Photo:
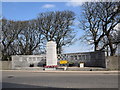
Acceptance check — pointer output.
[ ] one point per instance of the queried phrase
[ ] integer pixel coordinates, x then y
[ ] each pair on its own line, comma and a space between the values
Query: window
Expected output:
80, 58
83, 57
71, 57
75, 57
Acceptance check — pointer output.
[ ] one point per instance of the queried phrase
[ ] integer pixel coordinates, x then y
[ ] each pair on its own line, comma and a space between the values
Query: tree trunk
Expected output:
59, 49
112, 50
107, 51
96, 46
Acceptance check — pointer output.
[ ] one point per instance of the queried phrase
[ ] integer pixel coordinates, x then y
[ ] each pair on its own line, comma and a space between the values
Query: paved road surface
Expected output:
16, 79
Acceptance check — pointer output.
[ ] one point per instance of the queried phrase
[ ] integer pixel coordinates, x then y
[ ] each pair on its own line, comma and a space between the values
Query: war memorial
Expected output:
89, 59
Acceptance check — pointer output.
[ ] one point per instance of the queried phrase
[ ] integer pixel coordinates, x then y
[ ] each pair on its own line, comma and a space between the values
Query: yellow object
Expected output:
63, 62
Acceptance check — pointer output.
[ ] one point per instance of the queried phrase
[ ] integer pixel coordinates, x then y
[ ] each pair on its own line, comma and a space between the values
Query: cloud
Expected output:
75, 3
48, 6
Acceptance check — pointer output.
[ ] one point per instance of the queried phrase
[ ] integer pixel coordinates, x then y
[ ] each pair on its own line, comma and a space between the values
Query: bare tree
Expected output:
29, 39
56, 26
10, 31
20, 37
99, 20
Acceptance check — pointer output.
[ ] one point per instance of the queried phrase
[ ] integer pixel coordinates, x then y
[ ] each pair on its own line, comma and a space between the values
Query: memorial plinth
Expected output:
51, 54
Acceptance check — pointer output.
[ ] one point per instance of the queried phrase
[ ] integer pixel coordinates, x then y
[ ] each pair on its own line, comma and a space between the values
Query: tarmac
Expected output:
59, 79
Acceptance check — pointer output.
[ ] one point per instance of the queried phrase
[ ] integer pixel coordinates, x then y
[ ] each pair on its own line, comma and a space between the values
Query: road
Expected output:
16, 79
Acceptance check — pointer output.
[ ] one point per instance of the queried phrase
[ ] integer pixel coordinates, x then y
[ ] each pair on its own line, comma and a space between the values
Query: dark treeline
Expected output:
30, 37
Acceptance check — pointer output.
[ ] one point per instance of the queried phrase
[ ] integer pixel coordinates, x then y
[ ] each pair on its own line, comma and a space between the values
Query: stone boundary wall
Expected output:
5, 65
90, 59
112, 62
20, 61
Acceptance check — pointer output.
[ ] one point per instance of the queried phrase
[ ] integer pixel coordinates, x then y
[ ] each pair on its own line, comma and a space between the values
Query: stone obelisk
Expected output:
51, 54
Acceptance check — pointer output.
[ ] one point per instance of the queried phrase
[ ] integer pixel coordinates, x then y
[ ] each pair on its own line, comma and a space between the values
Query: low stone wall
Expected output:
21, 61
5, 65
90, 59
112, 62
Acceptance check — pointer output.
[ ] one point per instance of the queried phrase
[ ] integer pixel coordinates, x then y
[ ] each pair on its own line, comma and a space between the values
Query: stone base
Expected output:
50, 69
62, 68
